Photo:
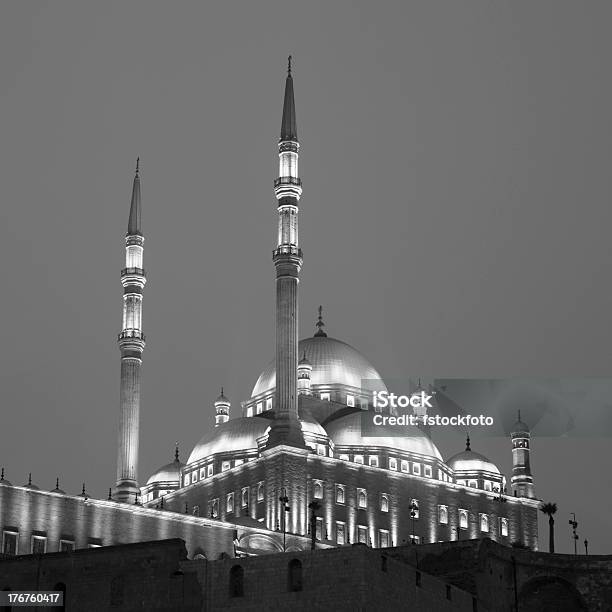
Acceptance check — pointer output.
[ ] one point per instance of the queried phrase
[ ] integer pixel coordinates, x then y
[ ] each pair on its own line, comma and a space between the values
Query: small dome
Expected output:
3, 480
57, 489
333, 363
471, 461
520, 426
304, 361
29, 484
222, 399
232, 436
171, 472
346, 431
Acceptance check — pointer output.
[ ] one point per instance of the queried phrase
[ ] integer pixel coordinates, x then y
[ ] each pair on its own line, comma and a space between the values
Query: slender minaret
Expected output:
287, 259
131, 344
522, 480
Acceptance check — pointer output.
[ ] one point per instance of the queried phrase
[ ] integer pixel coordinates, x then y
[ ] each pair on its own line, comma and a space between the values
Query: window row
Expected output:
394, 464
38, 543
483, 520
230, 500
209, 470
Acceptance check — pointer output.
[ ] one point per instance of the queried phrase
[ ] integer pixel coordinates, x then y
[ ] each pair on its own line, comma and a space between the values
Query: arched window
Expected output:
443, 515
6, 608
236, 581
361, 498
117, 587
484, 522
295, 575
60, 586
384, 503
463, 519
318, 490
339, 494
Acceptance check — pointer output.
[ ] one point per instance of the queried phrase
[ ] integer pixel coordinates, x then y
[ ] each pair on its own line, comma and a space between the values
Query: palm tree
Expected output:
549, 509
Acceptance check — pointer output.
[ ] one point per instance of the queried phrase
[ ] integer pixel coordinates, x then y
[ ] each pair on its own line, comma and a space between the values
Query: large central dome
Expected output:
333, 363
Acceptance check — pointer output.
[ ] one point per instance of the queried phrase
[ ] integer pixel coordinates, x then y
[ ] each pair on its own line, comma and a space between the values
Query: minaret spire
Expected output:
320, 333
131, 344
135, 206
288, 124
287, 259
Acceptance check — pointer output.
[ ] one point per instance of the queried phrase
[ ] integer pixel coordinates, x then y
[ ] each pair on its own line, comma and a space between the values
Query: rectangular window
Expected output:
39, 545
343, 457
325, 397
362, 534
383, 538
373, 460
225, 465
404, 466
269, 404
428, 471
9, 542
244, 498
339, 494
229, 502
359, 459
350, 400
318, 489
504, 526
186, 480
202, 473
209, 470
487, 485
321, 450
259, 407
238, 462
66, 545
340, 532
392, 463
472, 483
319, 528
250, 411
260, 491
194, 476
416, 469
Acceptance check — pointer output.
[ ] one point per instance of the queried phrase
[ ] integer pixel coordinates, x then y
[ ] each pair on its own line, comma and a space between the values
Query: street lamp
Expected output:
413, 513
574, 524
284, 500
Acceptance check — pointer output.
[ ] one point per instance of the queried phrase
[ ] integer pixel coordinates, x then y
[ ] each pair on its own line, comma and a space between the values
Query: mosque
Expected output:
294, 468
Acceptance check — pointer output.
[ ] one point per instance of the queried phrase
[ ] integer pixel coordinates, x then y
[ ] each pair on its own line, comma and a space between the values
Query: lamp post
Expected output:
413, 512
314, 505
574, 523
284, 500
586, 546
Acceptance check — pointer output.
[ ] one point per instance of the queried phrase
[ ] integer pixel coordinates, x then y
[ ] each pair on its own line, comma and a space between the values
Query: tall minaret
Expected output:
287, 259
131, 344
522, 480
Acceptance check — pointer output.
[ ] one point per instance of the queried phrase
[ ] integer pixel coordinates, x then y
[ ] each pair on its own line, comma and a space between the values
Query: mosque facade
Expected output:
294, 468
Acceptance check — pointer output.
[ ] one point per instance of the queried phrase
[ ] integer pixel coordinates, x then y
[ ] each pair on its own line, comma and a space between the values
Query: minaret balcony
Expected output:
287, 249
131, 333
132, 272
287, 180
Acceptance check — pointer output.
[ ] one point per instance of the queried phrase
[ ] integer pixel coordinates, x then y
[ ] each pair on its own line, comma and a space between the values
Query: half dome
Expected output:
346, 431
171, 472
334, 363
471, 461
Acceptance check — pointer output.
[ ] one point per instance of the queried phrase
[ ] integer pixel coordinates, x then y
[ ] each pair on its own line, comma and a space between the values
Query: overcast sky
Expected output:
455, 219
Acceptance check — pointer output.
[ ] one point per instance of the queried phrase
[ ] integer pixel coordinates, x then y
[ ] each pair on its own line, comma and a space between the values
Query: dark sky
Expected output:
455, 218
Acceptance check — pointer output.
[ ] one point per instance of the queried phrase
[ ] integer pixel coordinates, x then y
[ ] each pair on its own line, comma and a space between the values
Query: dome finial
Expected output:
110, 494
176, 451
57, 483
289, 66
137, 165
30, 479
467, 443
83, 490
2, 474
320, 325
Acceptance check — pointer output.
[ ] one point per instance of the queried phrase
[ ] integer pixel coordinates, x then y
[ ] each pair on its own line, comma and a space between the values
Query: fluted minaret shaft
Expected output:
287, 259
131, 344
